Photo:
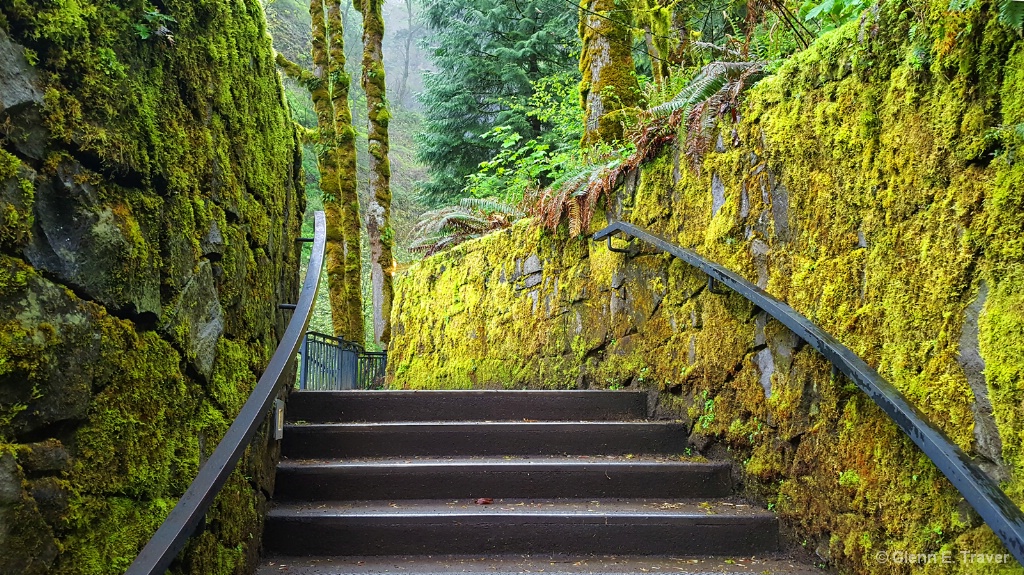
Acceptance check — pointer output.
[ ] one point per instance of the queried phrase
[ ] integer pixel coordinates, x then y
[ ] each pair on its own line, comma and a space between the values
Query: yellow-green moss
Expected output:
184, 150
606, 62
869, 193
17, 193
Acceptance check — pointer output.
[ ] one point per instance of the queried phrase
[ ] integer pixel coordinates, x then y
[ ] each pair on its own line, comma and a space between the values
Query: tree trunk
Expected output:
403, 86
606, 63
327, 160
378, 213
656, 17
348, 198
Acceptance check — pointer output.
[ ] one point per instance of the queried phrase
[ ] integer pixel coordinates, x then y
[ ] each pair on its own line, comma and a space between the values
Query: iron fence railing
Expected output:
331, 363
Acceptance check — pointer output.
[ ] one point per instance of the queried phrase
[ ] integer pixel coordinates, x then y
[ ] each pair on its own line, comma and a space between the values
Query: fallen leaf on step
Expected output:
484, 501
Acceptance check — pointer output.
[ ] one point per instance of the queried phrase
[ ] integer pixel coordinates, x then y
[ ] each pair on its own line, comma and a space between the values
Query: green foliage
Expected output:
155, 24
1011, 13
488, 54
717, 78
520, 167
833, 13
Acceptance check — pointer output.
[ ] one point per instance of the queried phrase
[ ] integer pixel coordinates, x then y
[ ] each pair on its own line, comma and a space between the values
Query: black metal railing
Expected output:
980, 491
331, 363
373, 366
181, 523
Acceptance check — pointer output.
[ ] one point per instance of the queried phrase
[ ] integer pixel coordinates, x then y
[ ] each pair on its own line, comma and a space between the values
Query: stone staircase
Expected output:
503, 481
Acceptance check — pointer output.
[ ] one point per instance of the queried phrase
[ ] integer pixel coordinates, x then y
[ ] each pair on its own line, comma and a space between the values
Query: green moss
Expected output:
606, 62
106, 532
1000, 328
191, 155
17, 191
233, 376
134, 444
871, 195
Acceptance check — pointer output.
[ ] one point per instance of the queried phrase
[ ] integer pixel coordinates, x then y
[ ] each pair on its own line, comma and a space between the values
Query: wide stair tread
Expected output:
399, 438
605, 525
503, 481
525, 476
481, 405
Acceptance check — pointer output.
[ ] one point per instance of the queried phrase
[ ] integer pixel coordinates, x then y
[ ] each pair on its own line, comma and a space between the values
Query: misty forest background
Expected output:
486, 116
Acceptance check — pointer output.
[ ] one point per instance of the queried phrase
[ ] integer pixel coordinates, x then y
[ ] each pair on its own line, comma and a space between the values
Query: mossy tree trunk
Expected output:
336, 158
655, 17
606, 64
345, 148
327, 159
378, 213
410, 34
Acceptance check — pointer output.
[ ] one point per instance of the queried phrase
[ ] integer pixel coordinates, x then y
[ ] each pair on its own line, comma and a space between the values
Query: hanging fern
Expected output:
713, 93
452, 225
491, 206
712, 79
1011, 13
575, 198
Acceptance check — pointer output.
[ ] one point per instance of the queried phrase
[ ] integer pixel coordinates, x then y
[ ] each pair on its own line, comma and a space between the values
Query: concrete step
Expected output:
606, 527
496, 405
343, 440
526, 477
770, 564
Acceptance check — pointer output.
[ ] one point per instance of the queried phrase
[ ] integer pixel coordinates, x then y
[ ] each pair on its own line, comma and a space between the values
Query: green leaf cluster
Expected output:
520, 166
154, 23
487, 56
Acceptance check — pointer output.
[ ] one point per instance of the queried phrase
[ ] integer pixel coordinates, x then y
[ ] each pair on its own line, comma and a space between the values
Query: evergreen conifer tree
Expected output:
486, 53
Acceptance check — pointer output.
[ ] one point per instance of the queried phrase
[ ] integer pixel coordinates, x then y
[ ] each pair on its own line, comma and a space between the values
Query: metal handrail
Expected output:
181, 523
980, 491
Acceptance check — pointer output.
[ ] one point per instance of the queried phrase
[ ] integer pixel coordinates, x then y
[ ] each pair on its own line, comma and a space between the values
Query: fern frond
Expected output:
706, 83
452, 225
961, 5
716, 48
1011, 13
490, 206
575, 217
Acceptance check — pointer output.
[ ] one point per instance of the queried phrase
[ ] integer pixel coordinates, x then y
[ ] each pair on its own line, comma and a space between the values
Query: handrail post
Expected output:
304, 365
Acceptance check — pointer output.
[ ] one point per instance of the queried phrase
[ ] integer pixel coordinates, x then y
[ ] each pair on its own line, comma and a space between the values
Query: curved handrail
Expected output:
180, 524
983, 494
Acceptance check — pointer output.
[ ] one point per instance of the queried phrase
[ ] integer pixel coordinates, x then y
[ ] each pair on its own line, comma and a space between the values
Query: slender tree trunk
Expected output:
403, 86
681, 48
327, 160
378, 213
606, 63
348, 198
656, 17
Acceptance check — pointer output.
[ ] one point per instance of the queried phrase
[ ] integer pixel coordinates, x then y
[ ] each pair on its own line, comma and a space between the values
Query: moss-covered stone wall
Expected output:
149, 202
874, 184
